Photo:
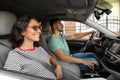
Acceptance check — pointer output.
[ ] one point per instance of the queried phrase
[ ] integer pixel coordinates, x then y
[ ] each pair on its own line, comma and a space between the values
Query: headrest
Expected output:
7, 20
46, 27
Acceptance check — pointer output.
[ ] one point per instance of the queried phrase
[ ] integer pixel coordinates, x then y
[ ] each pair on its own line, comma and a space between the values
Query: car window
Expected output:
72, 27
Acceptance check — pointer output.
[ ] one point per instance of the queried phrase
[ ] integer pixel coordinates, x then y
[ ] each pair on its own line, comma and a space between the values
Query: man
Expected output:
59, 46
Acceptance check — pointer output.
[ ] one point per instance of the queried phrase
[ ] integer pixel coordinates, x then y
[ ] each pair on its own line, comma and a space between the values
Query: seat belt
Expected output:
47, 66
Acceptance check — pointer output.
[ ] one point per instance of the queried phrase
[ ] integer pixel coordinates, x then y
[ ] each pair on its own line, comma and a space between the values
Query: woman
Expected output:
25, 38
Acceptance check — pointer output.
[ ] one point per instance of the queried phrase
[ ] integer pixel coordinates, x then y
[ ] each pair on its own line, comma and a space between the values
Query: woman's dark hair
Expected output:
20, 26
52, 22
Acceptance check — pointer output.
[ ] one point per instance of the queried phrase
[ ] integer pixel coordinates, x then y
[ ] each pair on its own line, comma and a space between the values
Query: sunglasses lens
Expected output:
40, 27
37, 27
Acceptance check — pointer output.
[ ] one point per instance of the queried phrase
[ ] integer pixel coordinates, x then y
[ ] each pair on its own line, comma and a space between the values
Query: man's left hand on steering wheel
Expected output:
89, 42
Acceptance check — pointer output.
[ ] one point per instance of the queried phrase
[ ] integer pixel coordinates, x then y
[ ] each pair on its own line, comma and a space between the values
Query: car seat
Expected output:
70, 71
7, 20
46, 34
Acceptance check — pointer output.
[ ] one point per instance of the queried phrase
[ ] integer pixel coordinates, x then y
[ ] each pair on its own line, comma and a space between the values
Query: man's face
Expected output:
59, 26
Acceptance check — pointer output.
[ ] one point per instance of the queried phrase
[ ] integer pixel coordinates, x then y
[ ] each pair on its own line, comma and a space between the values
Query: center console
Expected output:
111, 58
112, 52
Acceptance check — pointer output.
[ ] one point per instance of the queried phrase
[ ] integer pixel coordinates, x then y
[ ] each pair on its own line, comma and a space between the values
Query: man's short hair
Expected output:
52, 21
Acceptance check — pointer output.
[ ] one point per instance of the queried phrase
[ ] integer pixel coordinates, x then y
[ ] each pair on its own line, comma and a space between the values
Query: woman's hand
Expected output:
58, 69
90, 63
58, 72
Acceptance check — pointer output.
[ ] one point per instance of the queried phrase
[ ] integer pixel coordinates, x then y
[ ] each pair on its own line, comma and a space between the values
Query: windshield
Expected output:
107, 14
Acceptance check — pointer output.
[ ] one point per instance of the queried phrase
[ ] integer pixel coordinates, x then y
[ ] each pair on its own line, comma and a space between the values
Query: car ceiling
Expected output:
46, 9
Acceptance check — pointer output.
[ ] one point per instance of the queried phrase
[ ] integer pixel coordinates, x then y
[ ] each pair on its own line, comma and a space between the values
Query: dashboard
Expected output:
111, 56
111, 47
112, 52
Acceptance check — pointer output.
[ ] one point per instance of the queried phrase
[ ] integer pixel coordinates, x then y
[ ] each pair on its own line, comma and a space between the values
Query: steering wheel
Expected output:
89, 42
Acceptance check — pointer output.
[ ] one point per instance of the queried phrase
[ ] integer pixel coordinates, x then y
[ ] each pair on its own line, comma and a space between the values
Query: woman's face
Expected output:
33, 31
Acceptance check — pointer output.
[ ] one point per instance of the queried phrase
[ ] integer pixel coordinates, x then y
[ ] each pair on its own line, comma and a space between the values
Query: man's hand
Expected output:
93, 31
90, 63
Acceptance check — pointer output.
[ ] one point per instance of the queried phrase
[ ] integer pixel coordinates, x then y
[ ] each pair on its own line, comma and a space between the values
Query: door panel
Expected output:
76, 45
